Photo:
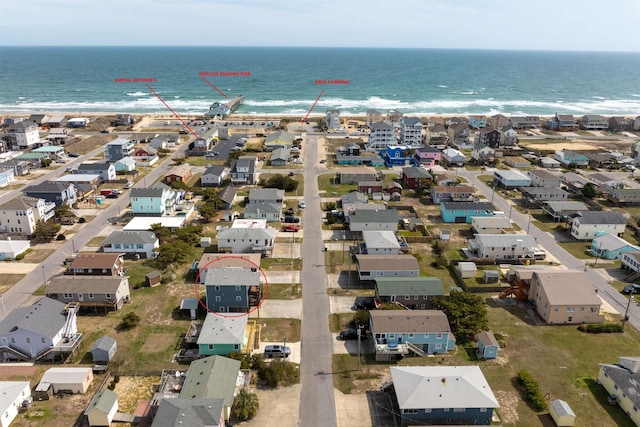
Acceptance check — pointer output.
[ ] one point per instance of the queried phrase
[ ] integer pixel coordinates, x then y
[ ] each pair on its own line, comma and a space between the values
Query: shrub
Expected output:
605, 328
20, 256
60, 237
129, 321
82, 220
532, 389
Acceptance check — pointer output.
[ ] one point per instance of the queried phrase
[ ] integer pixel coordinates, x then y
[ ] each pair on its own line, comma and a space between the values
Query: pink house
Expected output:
427, 156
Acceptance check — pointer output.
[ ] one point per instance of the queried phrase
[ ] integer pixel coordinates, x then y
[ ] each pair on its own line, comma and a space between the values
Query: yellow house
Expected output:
622, 382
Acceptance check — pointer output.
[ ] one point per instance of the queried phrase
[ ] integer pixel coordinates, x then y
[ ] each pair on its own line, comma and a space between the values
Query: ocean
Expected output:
287, 81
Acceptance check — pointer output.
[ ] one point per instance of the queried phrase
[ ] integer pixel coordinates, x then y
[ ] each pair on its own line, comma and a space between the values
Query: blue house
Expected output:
398, 155
463, 211
156, 200
117, 149
487, 345
477, 122
223, 335
610, 246
443, 395
399, 332
232, 289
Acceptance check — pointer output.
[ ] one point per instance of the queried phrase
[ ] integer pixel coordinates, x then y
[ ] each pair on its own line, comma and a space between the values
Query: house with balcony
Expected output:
502, 246
562, 123
414, 293
125, 165
621, 380
398, 155
156, 200
508, 137
264, 203
499, 121
96, 264
332, 118
90, 292
412, 177
21, 215
142, 244
610, 246
243, 170
462, 212
382, 135
59, 193
427, 156
394, 116
24, 135
39, 331
399, 332
569, 157
209, 262
221, 335
247, 236
443, 395
15, 394
565, 297
453, 157
488, 136
459, 133
619, 124
483, 154
535, 196
477, 122
118, 149
233, 290
624, 196
373, 116
437, 134
524, 122
411, 131
543, 178
7, 176
588, 224
452, 193
106, 171
593, 122
372, 266
574, 182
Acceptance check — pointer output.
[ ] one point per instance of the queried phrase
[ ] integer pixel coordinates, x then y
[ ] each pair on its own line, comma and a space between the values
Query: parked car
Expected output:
365, 303
632, 288
291, 219
348, 334
302, 204
73, 155
272, 351
289, 212
323, 161
292, 228
128, 185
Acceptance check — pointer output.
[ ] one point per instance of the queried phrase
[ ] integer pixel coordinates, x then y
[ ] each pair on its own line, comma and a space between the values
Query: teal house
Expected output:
222, 335
462, 212
156, 200
610, 246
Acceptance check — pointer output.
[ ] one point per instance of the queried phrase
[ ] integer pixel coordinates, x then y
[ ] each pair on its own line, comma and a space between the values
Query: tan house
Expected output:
97, 264
565, 297
180, 173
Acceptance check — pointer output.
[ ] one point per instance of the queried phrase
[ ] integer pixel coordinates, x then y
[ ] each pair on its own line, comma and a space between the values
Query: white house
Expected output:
12, 395
20, 215
621, 381
75, 380
382, 135
333, 119
10, 249
411, 131
490, 224
588, 224
503, 246
24, 135
247, 236
453, 157
106, 171
380, 242
379, 219
214, 175
143, 243
511, 179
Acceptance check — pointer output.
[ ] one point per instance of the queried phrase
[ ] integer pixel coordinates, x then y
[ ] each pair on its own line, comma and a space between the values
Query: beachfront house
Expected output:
373, 116
524, 122
593, 122
332, 118
398, 332
477, 122
279, 139
562, 123
589, 224
461, 212
443, 395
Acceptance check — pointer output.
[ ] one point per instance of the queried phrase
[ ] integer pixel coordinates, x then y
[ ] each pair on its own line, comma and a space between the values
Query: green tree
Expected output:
208, 211
45, 231
589, 190
246, 405
189, 234
467, 313
175, 252
281, 182
162, 233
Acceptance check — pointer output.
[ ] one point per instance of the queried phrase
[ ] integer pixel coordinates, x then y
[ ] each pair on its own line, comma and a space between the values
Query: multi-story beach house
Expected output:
333, 119
382, 134
461, 212
243, 170
524, 122
20, 215
562, 123
499, 121
106, 171
621, 382
24, 135
118, 149
589, 224
411, 131
543, 178
232, 289
437, 134
427, 156
593, 122
6, 176
488, 136
482, 154
453, 157
398, 155
247, 236
135, 243
412, 177
373, 116
503, 246
508, 137
60, 193
156, 200
477, 122
459, 133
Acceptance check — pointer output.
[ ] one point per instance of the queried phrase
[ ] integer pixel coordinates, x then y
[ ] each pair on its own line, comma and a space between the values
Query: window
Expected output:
392, 336
43, 340
458, 409
415, 297
483, 409
439, 335
411, 335
582, 309
569, 319
438, 346
236, 346
210, 346
555, 309
28, 340
409, 411
107, 296
217, 288
68, 296
90, 296
13, 340
238, 288
218, 299
238, 298
571, 309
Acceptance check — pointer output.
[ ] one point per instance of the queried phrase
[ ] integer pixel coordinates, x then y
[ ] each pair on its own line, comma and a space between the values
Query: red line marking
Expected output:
210, 84
174, 113
313, 106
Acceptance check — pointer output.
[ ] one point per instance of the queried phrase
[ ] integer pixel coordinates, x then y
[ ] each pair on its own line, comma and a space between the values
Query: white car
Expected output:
302, 204
128, 184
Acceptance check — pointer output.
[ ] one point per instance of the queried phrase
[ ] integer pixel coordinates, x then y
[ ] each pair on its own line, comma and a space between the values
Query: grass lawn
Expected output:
329, 185
284, 291
201, 161
96, 241
36, 256
8, 280
274, 329
337, 261
280, 264
578, 249
137, 269
340, 321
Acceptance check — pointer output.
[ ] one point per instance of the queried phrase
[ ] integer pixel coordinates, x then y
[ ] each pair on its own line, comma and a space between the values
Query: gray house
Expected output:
60, 193
104, 349
118, 149
354, 175
370, 220
233, 289
412, 292
543, 194
543, 178
106, 171
280, 157
371, 267
91, 292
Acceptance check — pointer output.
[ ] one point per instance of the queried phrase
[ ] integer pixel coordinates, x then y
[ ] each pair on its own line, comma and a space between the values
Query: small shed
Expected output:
488, 345
104, 349
190, 306
205, 242
490, 276
153, 279
467, 269
562, 413
102, 409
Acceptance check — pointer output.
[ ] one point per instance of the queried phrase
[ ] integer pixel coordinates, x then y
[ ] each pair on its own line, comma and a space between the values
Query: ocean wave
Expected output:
138, 93
443, 86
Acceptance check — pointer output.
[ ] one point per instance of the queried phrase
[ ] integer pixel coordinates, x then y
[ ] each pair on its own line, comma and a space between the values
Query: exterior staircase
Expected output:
415, 349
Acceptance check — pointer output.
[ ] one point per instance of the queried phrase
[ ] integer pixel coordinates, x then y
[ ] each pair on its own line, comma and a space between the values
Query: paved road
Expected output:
21, 293
317, 401
548, 241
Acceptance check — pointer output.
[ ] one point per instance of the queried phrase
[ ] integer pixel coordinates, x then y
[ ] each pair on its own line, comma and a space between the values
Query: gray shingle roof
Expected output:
409, 286
94, 166
103, 343
215, 170
102, 402
188, 413
416, 172
626, 380
467, 206
409, 321
130, 237
602, 217
43, 317
382, 215
222, 330
85, 284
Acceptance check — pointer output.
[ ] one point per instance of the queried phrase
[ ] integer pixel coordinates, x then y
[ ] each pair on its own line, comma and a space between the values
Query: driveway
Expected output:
286, 250
341, 304
283, 276
277, 308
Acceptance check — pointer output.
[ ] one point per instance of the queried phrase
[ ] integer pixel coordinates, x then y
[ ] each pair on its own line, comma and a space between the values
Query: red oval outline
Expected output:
226, 315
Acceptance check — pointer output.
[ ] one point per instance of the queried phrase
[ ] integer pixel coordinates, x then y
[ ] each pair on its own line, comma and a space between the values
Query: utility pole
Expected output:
359, 340
626, 312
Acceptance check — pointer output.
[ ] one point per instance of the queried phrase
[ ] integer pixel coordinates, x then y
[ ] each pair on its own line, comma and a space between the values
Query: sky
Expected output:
580, 25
